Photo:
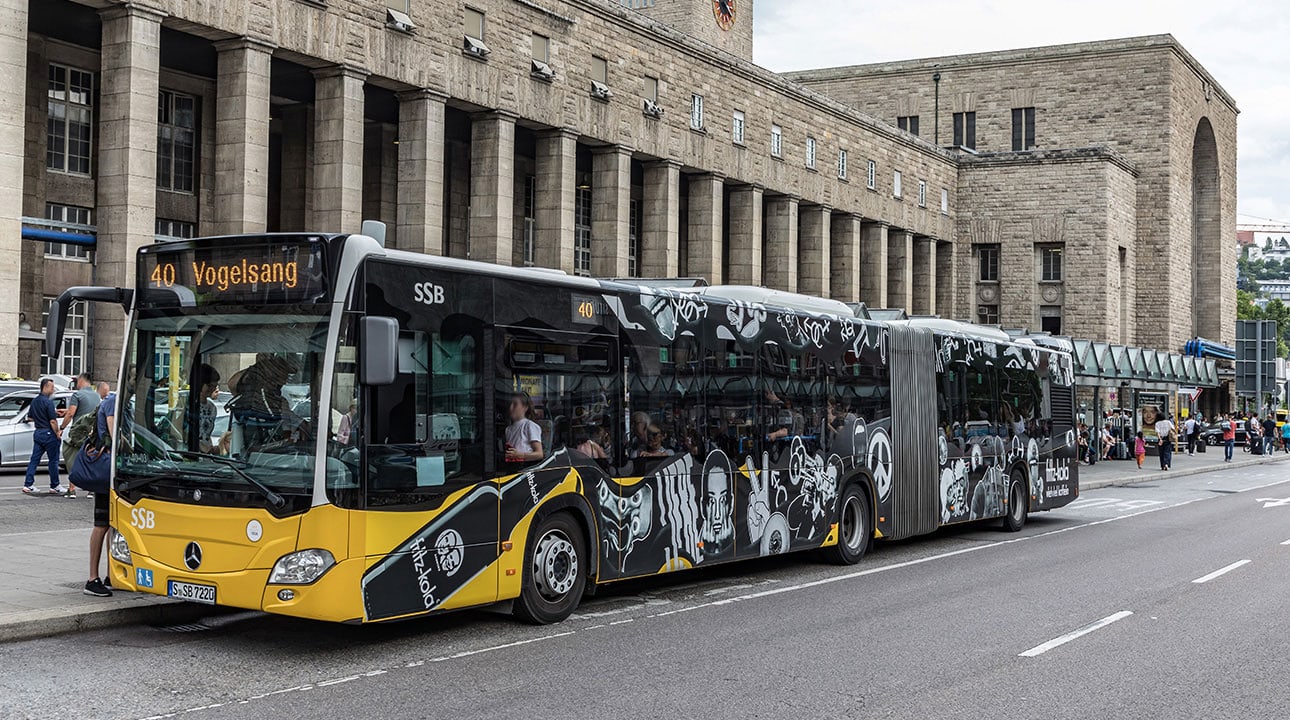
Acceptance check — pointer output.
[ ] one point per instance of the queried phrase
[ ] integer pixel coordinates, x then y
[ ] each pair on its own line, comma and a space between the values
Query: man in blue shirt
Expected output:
46, 438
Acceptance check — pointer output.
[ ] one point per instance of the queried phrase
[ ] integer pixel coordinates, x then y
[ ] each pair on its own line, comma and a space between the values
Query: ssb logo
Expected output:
427, 293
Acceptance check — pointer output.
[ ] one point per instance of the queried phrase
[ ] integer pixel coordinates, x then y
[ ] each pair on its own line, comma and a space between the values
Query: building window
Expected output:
1050, 319
72, 215
72, 360
175, 229
696, 112
871, 175
649, 89
541, 48
945, 201
71, 119
908, 123
987, 314
965, 130
988, 263
1050, 263
527, 242
1023, 129
633, 239
582, 231
810, 153
776, 141
176, 141
475, 24
842, 164
895, 184
737, 129
922, 193
600, 70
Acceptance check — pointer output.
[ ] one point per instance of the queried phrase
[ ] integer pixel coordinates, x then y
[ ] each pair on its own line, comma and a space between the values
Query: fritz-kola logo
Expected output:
427, 293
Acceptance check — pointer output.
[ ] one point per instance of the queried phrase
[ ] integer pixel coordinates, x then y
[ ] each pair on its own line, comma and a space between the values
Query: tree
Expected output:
1245, 307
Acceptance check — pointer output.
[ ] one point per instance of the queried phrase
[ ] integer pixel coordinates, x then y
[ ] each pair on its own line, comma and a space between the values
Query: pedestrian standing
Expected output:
1165, 432
1285, 437
78, 421
1269, 434
105, 425
1140, 448
1229, 437
46, 438
1190, 430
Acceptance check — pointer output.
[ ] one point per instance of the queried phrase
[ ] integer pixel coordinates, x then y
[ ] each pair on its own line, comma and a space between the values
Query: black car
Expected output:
1213, 435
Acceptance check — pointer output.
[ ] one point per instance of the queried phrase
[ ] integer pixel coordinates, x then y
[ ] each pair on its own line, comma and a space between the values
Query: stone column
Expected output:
660, 224
242, 136
873, 264
813, 242
611, 198
707, 193
338, 149
922, 265
556, 178
946, 280
420, 172
127, 163
297, 168
900, 270
780, 250
492, 188
844, 258
13, 109
745, 235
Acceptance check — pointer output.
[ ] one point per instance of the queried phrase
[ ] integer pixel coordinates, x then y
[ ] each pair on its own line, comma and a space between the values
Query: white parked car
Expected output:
15, 428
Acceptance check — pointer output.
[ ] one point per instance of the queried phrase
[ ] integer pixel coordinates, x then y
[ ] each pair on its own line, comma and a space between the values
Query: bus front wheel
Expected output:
555, 571
854, 527
1017, 504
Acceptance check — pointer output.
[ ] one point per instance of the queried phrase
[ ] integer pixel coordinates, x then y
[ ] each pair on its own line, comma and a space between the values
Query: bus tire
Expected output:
555, 571
855, 527
1018, 505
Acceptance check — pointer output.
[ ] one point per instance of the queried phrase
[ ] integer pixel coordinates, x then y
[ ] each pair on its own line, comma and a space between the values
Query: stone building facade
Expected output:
593, 137
1147, 260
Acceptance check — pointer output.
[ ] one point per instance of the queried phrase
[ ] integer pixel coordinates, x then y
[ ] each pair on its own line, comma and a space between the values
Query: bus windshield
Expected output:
224, 404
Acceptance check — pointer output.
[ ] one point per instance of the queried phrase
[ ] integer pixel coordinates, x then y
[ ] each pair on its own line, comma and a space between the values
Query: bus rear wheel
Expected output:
1017, 504
555, 572
854, 528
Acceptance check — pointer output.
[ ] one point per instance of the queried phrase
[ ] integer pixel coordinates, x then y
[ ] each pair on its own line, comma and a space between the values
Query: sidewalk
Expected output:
1126, 472
45, 570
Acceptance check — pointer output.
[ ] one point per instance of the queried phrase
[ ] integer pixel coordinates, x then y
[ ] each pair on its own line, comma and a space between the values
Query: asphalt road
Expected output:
967, 623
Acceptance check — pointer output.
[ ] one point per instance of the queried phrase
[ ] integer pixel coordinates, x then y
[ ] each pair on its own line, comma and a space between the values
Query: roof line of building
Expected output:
666, 34
1015, 56
1083, 154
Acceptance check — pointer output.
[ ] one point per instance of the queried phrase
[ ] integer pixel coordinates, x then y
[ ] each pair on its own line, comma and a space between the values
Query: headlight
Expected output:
301, 568
118, 548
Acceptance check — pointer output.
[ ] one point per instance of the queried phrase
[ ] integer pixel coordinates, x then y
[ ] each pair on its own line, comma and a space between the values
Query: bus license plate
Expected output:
191, 592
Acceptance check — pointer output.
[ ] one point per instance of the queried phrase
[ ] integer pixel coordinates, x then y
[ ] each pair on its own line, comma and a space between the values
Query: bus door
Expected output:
431, 534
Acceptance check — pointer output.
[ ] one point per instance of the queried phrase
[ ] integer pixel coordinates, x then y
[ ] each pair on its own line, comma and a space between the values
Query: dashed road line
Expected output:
1060, 640
1221, 571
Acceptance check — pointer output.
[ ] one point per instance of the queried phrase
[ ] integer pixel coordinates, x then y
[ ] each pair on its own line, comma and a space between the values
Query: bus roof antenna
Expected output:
374, 229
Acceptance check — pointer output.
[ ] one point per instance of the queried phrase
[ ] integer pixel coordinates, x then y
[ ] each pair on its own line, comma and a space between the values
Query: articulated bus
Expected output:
320, 426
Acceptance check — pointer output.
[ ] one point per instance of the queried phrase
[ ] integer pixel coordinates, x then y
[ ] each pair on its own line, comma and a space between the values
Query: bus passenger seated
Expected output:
592, 442
654, 444
523, 436
640, 433
779, 417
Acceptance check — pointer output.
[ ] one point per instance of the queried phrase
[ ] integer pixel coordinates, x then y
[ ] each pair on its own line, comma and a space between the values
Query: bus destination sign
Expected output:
272, 272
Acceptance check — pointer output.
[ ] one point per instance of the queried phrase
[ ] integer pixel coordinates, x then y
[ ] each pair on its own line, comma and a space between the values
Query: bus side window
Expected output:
729, 394
665, 404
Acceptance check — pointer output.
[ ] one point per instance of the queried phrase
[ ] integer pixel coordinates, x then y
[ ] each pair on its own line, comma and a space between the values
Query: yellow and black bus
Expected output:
320, 426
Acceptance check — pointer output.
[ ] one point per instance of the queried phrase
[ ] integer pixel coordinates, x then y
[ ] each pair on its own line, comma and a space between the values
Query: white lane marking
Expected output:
1273, 502
1063, 639
1287, 542
801, 586
1220, 571
45, 532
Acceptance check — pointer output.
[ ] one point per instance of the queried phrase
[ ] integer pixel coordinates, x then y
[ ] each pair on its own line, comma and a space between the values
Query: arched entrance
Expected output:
1206, 235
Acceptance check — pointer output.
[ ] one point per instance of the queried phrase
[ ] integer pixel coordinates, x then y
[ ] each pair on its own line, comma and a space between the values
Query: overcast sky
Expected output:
1243, 44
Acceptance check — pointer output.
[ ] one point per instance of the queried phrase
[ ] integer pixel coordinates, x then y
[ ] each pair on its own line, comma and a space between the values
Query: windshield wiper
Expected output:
274, 498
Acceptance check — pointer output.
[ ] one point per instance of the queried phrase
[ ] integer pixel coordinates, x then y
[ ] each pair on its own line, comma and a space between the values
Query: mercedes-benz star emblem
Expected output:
193, 556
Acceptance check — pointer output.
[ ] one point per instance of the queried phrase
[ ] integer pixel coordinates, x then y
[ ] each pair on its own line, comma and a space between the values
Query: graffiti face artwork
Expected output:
626, 520
718, 506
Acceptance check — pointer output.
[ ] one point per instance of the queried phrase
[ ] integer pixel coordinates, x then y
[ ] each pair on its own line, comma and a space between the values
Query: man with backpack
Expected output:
105, 426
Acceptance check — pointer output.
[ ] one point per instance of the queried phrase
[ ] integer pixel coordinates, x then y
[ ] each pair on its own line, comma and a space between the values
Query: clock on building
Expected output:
724, 12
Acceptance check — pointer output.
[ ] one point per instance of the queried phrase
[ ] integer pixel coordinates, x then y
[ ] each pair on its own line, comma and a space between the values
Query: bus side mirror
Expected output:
379, 339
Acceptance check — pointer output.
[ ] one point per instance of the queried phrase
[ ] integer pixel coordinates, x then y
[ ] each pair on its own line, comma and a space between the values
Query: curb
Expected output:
1158, 475
43, 624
